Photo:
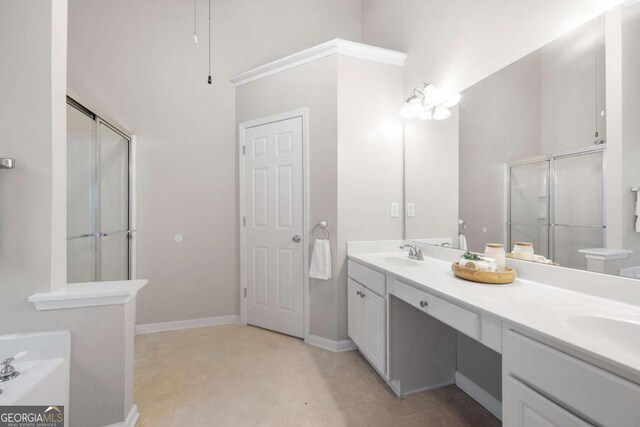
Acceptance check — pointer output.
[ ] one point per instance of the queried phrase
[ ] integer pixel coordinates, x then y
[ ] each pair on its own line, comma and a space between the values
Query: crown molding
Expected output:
335, 46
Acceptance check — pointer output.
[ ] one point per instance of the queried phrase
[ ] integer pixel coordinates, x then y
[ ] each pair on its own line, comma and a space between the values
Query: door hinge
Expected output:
244, 150
244, 221
245, 292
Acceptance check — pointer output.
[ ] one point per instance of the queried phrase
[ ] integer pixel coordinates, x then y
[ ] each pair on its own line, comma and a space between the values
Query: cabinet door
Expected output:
523, 407
375, 328
355, 313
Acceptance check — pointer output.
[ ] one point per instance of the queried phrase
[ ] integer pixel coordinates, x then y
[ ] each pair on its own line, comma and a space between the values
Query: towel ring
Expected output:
321, 228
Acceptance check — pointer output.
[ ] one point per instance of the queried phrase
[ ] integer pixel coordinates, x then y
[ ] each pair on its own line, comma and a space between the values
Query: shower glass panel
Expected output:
529, 205
98, 242
81, 227
578, 207
114, 204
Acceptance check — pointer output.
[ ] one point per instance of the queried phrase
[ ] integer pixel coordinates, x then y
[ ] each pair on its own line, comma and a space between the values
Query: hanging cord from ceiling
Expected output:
209, 78
195, 21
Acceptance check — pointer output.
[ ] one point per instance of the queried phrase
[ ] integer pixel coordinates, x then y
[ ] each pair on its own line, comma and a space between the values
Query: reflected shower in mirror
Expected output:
540, 159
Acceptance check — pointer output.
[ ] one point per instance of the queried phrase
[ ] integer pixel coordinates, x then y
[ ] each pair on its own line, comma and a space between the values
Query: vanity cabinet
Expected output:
367, 317
543, 383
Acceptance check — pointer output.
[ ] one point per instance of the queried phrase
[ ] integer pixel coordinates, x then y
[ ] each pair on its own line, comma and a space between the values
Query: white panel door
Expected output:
375, 327
274, 254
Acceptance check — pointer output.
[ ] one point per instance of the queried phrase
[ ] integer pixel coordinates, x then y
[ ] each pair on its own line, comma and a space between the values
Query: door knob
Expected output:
297, 238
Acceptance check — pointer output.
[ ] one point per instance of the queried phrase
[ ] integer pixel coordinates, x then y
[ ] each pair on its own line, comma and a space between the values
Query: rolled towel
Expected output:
541, 259
485, 264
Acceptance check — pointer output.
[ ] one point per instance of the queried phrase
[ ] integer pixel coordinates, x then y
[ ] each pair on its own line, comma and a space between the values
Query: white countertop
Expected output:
604, 329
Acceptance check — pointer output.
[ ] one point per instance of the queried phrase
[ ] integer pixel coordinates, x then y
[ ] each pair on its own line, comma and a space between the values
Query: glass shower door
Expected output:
97, 199
578, 207
114, 204
529, 205
81, 197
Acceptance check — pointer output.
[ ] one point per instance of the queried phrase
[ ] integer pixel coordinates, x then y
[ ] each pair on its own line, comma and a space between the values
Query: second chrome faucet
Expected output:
415, 252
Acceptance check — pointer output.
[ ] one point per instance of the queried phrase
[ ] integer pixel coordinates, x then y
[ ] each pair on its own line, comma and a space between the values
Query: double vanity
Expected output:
564, 358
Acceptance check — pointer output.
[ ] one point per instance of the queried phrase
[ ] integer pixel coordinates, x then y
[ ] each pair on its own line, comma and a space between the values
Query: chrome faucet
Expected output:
415, 252
8, 372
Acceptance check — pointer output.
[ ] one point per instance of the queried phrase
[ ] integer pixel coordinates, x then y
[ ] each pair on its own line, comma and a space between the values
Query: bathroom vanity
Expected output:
568, 358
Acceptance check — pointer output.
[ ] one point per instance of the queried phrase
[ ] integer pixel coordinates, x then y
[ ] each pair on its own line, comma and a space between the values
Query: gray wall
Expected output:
156, 87
369, 160
499, 121
355, 159
33, 215
313, 86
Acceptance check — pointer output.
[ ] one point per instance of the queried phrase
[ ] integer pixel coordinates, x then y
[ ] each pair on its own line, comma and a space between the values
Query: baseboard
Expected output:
327, 344
418, 390
131, 419
150, 328
492, 404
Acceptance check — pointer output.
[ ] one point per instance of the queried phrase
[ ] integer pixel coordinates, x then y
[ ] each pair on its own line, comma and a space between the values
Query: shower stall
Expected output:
557, 203
98, 198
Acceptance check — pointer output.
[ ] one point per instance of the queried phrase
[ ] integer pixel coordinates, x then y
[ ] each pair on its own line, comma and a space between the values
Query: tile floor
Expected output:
245, 376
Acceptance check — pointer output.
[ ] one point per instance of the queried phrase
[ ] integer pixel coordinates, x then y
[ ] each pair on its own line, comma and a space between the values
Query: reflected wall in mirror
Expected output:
549, 152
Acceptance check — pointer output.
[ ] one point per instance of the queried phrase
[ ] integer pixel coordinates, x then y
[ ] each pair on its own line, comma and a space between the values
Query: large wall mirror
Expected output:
548, 154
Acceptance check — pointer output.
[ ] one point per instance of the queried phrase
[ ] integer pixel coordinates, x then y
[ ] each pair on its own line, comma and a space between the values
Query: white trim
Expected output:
242, 127
150, 328
492, 404
333, 346
88, 295
419, 390
131, 419
133, 206
344, 47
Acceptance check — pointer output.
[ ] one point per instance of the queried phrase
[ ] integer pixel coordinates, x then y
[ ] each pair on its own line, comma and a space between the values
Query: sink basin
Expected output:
621, 333
401, 262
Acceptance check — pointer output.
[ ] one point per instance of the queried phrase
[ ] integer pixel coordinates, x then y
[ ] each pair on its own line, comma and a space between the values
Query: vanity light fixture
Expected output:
429, 102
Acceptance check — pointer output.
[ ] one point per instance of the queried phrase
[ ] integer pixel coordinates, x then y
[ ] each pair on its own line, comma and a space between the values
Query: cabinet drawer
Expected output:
526, 408
372, 279
584, 389
455, 316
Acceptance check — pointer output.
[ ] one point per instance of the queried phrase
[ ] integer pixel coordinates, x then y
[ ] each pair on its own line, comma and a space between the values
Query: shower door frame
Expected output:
551, 178
97, 233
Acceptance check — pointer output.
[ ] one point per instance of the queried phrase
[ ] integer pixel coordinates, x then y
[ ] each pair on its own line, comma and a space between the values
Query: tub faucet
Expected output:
8, 372
415, 252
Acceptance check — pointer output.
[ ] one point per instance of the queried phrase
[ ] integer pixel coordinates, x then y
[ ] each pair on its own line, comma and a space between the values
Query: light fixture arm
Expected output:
429, 102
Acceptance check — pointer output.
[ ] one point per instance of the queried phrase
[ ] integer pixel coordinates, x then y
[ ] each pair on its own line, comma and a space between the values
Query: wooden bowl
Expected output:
489, 277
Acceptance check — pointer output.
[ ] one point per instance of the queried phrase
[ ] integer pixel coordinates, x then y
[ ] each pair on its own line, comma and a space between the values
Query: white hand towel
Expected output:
462, 242
638, 211
320, 267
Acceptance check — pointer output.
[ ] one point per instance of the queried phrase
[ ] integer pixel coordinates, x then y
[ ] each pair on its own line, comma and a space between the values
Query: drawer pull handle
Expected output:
358, 293
423, 304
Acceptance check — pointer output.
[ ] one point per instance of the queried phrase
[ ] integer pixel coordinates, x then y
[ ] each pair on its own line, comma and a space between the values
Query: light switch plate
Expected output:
395, 210
411, 210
